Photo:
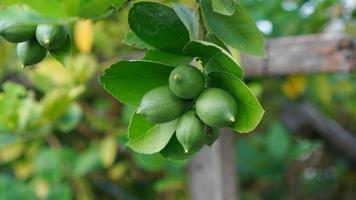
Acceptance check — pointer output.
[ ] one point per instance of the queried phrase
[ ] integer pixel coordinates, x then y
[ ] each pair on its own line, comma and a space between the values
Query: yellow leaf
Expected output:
345, 87
11, 152
41, 189
117, 171
294, 86
323, 89
23, 170
83, 35
83, 190
108, 148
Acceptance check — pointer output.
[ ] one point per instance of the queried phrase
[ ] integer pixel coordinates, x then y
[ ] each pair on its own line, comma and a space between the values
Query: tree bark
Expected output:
303, 54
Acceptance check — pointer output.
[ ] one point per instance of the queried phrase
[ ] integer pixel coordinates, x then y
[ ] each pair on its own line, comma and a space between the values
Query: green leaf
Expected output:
128, 81
13, 188
159, 26
224, 7
214, 57
10, 101
127, 113
238, 30
138, 125
222, 63
92, 8
211, 37
53, 8
154, 139
23, 14
174, 150
190, 20
57, 101
151, 163
251, 153
131, 39
166, 58
87, 161
60, 191
118, 3
70, 119
48, 163
64, 53
202, 49
278, 141
64, 9
250, 112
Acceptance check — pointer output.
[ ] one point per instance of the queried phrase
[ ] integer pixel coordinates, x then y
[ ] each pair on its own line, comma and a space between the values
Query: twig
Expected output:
297, 116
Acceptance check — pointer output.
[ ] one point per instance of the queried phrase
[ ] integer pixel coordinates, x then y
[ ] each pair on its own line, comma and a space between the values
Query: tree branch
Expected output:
297, 116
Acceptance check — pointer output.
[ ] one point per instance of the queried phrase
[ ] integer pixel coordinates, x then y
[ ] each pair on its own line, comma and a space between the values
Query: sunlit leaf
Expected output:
108, 150
154, 139
225, 7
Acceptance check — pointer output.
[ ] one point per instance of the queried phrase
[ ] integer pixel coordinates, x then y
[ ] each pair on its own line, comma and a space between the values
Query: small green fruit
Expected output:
51, 36
30, 52
17, 32
160, 105
216, 107
186, 81
190, 131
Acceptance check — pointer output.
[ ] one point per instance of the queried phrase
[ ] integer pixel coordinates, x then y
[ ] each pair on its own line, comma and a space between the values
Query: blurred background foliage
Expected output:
63, 137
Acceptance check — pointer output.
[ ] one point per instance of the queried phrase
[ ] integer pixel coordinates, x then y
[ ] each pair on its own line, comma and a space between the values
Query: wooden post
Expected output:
213, 170
213, 173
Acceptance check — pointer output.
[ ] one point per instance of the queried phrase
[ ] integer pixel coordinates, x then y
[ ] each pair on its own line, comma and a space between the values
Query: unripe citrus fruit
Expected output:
30, 52
186, 81
17, 32
51, 36
216, 107
190, 131
160, 105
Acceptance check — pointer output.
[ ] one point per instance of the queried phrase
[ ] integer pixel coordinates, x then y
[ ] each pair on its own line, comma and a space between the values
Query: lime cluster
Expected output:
33, 40
188, 98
